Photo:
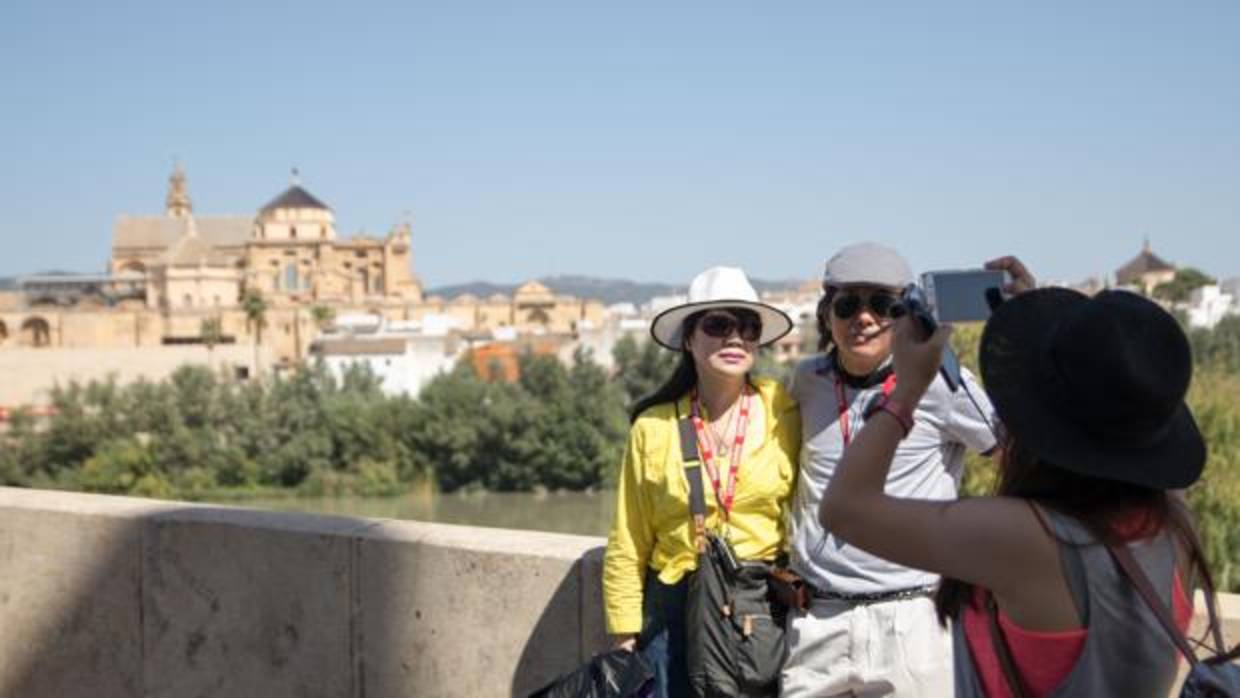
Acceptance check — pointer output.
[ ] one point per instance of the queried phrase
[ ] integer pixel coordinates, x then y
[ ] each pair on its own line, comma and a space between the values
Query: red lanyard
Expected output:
841, 402
724, 497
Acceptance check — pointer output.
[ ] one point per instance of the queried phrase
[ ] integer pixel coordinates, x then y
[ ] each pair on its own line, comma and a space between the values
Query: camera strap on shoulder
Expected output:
693, 475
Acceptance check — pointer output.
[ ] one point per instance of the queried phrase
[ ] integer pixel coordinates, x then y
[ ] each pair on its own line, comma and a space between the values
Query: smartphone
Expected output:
963, 295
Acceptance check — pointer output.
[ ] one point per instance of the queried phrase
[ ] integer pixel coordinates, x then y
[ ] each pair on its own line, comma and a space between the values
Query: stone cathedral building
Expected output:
169, 274
289, 251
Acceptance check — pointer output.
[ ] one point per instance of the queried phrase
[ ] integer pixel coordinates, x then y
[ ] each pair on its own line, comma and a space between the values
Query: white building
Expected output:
403, 355
658, 304
601, 341
1209, 304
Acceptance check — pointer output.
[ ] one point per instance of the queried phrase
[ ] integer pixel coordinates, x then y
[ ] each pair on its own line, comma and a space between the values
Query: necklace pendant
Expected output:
723, 450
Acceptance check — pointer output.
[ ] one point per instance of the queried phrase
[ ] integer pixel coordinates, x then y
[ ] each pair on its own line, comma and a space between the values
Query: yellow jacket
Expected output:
652, 526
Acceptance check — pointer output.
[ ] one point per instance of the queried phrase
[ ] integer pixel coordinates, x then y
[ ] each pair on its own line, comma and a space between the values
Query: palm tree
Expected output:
255, 307
212, 333
323, 316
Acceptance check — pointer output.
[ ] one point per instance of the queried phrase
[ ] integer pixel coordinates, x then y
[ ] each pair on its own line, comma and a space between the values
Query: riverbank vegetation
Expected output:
197, 436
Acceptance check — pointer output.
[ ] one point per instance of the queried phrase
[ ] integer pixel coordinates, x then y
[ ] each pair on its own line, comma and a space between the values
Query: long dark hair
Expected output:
1106, 508
683, 378
680, 382
823, 315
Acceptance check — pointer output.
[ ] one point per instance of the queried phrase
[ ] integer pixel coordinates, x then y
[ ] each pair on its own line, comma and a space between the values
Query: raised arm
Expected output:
995, 542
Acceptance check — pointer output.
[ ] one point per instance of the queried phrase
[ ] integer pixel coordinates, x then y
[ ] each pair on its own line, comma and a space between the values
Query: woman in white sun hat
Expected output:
748, 435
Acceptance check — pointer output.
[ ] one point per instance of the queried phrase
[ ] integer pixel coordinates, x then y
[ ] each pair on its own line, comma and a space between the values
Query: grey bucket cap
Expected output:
867, 264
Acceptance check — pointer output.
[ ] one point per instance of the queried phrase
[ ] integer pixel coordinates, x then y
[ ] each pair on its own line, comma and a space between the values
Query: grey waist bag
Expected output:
735, 634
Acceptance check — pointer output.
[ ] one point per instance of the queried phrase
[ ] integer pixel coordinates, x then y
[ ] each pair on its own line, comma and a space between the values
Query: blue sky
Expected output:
638, 140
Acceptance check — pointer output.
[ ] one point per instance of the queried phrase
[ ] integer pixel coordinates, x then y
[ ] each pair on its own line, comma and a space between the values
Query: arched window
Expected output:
134, 266
364, 274
292, 232
36, 333
4, 332
292, 279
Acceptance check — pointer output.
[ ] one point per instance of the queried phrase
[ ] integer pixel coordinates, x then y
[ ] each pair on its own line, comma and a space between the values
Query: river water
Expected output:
583, 513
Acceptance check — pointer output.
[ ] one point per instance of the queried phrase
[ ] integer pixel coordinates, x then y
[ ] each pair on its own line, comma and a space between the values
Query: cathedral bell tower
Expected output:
177, 204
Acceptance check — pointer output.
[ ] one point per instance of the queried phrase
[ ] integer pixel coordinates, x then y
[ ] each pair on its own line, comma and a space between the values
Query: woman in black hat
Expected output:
1097, 440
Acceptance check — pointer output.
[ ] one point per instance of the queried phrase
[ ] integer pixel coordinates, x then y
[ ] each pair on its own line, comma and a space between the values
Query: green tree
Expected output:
21, 450
212, 333
641, 367
323, 316
1215, 499
255, 308
1218, 348
576, 422
446, 429
600, 426
1185, 282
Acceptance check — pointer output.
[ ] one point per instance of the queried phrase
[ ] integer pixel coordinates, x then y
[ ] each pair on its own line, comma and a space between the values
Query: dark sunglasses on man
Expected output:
720, 324
882, 304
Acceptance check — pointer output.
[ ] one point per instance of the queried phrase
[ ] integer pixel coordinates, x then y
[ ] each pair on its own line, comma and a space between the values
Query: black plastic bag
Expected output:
615, 674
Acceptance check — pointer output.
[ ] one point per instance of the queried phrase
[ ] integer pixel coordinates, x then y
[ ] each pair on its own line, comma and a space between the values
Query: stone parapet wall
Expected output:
118, 597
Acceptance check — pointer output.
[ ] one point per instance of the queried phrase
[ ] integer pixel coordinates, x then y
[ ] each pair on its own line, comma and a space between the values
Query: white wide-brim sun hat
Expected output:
718, 287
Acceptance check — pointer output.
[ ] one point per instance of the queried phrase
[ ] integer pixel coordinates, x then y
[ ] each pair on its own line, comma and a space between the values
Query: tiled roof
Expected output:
1143, 263
192, 251
162, 231
359, 347
294, 197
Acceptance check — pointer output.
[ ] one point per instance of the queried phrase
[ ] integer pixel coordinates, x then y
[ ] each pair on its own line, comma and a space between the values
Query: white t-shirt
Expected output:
927, 465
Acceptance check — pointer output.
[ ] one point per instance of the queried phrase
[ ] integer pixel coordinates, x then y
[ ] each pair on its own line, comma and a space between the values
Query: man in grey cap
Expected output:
870, 628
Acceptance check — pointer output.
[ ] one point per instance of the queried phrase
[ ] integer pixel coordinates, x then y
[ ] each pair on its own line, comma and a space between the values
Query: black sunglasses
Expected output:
881, 303
721, 325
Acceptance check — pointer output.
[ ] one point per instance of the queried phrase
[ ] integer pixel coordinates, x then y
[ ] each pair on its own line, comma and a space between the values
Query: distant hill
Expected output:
7, 284
606, 290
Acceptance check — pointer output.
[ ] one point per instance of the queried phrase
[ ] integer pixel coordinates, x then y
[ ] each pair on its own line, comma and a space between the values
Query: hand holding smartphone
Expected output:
914, 301
965, 295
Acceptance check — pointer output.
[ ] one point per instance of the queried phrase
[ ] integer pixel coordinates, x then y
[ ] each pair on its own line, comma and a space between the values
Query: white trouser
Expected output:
893, 648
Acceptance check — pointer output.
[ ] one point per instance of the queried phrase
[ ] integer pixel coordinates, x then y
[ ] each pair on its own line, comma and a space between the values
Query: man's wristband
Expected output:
902, 413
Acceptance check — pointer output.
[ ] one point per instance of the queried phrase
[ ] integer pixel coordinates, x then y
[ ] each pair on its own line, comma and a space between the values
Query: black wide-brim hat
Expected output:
1095, 385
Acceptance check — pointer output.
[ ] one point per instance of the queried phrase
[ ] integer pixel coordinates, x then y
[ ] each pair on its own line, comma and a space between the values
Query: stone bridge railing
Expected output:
116, 597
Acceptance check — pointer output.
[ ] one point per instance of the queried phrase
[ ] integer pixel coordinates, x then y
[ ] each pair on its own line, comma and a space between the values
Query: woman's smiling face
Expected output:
725, 341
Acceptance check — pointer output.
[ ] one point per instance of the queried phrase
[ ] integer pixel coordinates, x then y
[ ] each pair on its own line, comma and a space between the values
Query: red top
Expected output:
1044, 659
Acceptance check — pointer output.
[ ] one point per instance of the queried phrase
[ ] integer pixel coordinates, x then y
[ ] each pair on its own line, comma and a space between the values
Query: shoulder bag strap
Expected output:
1014, 682
693, 474
1132, 570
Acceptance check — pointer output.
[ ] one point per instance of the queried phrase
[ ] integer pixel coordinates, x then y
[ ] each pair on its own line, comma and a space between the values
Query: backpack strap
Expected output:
1131, 569
1011, 674
693, 474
